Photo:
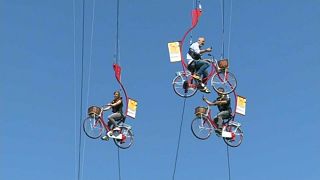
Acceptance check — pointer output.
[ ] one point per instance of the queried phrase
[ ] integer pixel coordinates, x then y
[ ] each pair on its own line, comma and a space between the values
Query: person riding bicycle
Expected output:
224, 105
117, 113
196, 63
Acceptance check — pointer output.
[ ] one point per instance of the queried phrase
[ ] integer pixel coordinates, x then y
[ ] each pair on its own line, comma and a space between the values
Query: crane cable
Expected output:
179, 138
89, 77
222, 56
74, 88
81, 158
117, 69
81, 90
196, 12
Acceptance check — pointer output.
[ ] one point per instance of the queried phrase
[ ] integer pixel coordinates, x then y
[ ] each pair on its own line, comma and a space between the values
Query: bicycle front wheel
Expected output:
127, 138
225, 80
182, 88
201, 127
92, 127
237, 136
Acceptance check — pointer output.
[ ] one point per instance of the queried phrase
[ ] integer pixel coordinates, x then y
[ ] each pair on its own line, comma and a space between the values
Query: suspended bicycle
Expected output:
203, 125
184, 85
94, 125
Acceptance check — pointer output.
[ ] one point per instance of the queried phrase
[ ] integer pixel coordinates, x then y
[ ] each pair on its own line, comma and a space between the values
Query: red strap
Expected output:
196, 13
117, 71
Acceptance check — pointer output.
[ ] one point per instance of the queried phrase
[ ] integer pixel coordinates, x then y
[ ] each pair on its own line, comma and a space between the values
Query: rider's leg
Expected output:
113, 118
222, 115
205, 75
201, 67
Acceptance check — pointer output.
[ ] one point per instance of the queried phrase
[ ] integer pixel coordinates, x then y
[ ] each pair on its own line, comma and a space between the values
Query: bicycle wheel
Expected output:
226, 80
127, 138
236, 138
181, 86
92, 127
201, 127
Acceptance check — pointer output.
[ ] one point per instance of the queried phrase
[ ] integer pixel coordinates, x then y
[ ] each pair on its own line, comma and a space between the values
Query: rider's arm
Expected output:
209, 102
224, 100
205, 50
116, 103
221, 102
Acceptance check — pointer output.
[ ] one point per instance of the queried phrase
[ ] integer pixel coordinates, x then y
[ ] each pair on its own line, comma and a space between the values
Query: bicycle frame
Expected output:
105, 125
215, 126
208, 115
214, 70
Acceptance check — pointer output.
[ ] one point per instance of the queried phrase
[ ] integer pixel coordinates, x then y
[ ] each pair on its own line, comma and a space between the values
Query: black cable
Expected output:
81, 88
222, 28
177, 152
117, 33
119, 167
229, 169
228, 157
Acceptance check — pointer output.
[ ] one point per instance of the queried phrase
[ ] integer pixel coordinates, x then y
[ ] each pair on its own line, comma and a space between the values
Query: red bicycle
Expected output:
184, 85
203, 125
94, 126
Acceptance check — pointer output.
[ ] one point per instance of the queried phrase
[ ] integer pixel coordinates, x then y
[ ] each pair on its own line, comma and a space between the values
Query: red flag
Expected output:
117, 71
196, 13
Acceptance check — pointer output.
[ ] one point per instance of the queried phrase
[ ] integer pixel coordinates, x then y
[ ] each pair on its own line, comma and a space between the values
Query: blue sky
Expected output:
274, 53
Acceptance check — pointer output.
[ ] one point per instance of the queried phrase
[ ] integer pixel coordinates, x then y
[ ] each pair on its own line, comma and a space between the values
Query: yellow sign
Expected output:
132, 108
241, 105
174, 51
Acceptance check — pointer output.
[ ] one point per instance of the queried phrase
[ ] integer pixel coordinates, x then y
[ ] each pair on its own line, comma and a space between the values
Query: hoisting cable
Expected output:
119, 167
230, 20
196, 13
75, 89
194, 5
222, 8
117, 70
116, 66
81, 88
89, 78
179, 138
234, 92
228, 163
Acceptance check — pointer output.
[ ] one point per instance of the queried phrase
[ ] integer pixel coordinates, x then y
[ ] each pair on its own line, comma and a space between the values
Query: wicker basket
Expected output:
223, 64
94, 111
200, 111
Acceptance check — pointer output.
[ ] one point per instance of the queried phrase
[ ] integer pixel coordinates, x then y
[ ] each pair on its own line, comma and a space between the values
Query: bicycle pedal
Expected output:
185, 85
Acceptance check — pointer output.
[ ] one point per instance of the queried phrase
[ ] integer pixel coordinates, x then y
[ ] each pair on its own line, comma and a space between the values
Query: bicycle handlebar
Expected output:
105, 108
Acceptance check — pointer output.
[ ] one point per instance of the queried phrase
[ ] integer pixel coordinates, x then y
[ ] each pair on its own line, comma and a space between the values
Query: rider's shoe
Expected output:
105, 138
110, 133
116, 129
218, 131
205, 90
197, 77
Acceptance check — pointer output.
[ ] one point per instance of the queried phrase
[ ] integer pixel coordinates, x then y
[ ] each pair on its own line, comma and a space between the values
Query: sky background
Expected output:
273, 47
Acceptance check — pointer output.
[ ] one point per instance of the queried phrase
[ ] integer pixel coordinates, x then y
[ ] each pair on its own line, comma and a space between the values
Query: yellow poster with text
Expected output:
132, 108
241, 105
174, 51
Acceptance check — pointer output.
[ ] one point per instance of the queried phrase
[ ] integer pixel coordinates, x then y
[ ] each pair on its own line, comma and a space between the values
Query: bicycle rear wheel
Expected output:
127, 137
92, 127
225, 80
201, 127
181, 86
237, 136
